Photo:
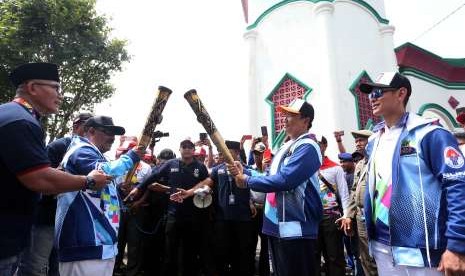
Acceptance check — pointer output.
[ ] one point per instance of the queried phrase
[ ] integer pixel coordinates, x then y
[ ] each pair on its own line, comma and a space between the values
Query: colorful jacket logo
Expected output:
407, 148
453, 158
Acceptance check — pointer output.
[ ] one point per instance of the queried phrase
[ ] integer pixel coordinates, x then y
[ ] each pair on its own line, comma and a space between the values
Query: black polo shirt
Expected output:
225, 188
47, 208
179, 175
22, 151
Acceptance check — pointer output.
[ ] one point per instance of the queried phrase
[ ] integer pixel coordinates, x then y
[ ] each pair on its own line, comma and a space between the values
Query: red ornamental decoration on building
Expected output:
365, 113
453, 102
283, 95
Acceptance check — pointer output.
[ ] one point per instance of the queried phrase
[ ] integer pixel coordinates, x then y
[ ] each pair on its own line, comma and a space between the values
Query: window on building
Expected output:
364, 112
287, 90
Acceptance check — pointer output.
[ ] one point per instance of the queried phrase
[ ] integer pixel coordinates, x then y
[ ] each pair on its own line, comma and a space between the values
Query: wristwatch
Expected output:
90, 183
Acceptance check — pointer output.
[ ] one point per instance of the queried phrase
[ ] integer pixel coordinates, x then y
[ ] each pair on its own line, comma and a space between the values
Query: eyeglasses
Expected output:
57, 87
377, 93
105, 131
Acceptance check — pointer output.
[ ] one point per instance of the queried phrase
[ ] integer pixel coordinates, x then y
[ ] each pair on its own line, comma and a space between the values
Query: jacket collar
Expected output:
401, 123
409, 121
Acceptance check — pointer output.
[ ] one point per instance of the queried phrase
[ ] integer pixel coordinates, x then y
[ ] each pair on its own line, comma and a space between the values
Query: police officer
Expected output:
356, 204
258, 200
153, 222
184, 220
234, 210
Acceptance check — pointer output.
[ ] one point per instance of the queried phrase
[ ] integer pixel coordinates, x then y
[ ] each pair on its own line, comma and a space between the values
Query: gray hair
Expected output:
20, 89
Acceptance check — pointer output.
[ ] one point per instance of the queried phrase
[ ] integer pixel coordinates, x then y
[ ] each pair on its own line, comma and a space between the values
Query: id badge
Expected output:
232, 199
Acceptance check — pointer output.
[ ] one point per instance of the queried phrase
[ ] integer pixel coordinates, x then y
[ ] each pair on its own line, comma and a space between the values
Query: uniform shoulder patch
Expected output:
453, 158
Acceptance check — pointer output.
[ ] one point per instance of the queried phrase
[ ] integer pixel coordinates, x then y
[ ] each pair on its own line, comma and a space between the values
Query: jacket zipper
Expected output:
284, 208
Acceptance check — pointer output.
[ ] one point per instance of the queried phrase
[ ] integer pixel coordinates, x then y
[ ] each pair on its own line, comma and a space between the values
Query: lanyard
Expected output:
24, 103
230, 180
27, 105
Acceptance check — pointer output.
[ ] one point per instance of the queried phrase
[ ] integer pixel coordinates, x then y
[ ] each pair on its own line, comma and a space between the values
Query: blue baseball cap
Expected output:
345, 156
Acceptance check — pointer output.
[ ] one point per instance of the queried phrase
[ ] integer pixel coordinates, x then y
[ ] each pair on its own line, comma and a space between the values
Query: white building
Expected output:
321, 50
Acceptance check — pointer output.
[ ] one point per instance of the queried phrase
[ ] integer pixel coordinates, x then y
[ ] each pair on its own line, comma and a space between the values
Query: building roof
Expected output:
278, 4
447, 72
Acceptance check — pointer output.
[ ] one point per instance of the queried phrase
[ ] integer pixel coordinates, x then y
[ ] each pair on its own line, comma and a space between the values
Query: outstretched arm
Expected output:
303, 163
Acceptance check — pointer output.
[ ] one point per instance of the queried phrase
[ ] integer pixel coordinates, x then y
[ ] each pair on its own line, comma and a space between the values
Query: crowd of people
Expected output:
394, 205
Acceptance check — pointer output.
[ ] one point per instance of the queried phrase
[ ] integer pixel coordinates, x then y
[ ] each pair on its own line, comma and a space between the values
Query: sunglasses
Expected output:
377, 93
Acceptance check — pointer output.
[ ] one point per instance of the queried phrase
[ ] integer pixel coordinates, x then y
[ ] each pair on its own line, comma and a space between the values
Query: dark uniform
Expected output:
23, 151
184, 220
233, 225
153, 224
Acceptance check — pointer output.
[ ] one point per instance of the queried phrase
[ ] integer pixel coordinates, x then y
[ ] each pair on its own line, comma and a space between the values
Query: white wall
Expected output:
287, 41
424, 92
284, 45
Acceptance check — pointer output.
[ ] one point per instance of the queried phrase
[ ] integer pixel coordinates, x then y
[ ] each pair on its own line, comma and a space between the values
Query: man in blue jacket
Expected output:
415, 196
293, 208
87, 221
41, 255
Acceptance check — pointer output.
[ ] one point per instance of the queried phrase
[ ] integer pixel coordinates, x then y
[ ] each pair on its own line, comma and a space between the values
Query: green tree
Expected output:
69, 33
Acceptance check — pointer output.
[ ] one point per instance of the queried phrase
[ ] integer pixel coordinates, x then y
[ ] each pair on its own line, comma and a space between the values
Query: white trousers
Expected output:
88, 267
383, 256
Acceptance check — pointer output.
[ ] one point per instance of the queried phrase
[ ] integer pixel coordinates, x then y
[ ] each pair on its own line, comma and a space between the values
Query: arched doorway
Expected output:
438, 112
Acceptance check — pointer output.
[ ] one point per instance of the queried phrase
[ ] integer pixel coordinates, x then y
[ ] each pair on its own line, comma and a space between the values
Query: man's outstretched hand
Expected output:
133, 195
181, 194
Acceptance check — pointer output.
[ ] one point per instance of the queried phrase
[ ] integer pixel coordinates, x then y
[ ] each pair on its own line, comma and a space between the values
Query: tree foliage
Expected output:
69, 33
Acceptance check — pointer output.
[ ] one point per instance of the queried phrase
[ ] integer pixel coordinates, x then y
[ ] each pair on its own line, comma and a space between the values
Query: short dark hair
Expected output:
407, 97
309, 125
86, 128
